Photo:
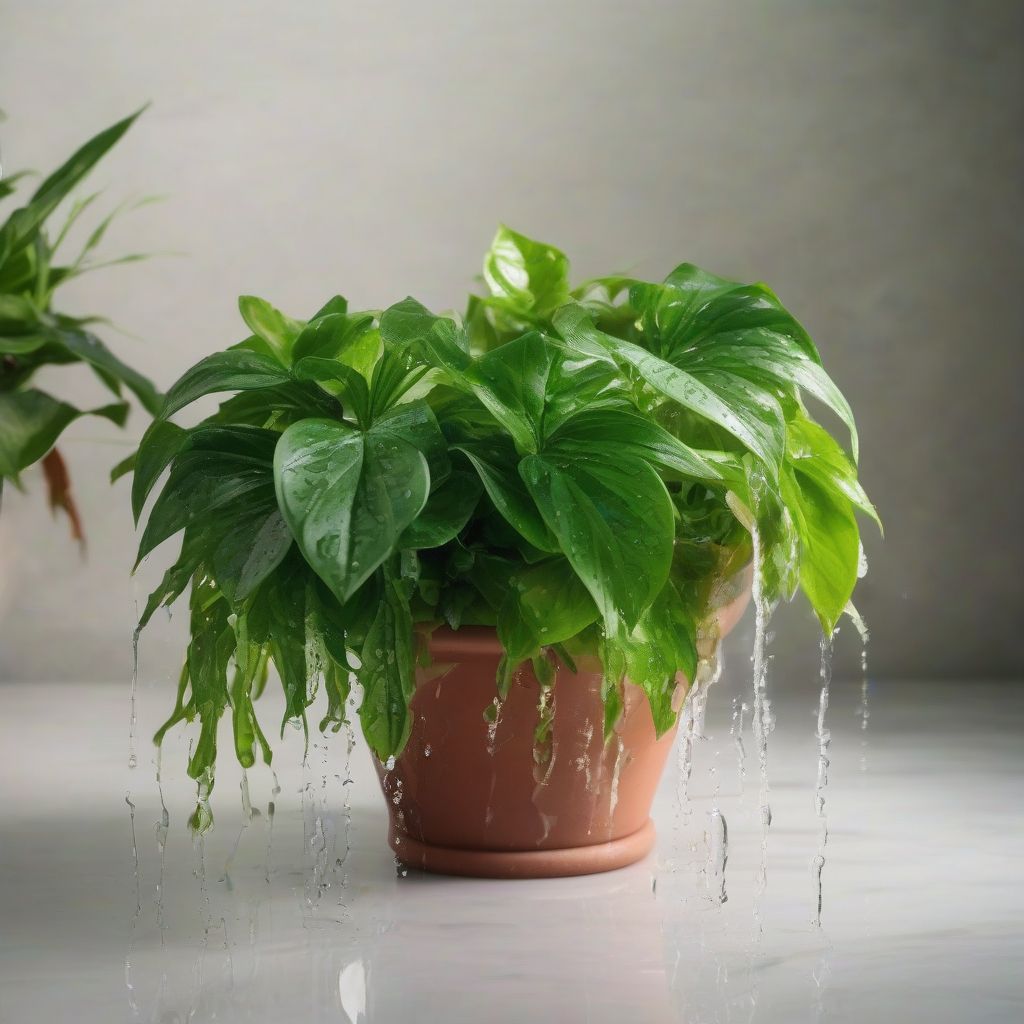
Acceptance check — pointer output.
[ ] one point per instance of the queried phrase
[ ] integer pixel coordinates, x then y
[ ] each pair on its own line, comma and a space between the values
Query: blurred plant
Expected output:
580, 469
34, 335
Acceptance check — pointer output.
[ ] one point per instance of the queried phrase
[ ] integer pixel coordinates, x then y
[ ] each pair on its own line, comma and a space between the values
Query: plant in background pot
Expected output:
520, 532
33, 335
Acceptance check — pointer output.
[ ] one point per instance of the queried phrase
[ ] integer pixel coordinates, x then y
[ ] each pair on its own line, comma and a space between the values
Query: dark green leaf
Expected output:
31, 421
347, 495
388, 673
234, 370
615, 525
445, 514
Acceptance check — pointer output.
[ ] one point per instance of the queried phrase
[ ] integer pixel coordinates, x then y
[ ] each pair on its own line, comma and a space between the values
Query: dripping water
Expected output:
613, 795
275, 792
161, 829
346, 807
137, 913
824, 738
739, 714
716, 840
761, 711
864, 709
132, 714
709, 670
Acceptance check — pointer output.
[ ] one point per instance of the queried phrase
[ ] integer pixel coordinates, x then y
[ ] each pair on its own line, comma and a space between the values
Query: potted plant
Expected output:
520, 532
34, 335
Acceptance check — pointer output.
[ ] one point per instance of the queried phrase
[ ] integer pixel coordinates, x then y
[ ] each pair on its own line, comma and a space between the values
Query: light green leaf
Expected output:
829, 544
528, 275
270, 324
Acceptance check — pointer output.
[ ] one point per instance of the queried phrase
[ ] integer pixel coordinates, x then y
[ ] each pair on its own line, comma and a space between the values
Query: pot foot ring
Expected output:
577, 860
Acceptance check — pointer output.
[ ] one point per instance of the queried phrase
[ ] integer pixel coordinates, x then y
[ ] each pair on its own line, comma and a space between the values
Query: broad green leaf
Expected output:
252, 550
233, 370
162, 441
351, 385
347, 495
511, 382
553, 601
31, 421
220, 467
614, 523
415, 422
662, 645
409, 323
387, 674
812, 451
626, 436
496, 467
528, 275
270, 324
701, 322
829, 544
752, 415
445, 514
337, 336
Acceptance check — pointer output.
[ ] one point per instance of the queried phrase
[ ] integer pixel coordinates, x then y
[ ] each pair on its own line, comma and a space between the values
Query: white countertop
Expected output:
922, 914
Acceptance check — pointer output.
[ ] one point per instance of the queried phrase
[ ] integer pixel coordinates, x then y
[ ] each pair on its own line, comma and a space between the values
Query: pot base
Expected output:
576, 860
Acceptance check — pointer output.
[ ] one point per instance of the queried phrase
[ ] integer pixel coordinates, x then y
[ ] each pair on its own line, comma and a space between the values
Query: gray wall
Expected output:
864, 158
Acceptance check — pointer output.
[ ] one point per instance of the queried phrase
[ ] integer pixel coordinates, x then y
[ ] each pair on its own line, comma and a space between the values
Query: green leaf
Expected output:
270, 324
90, 349
553, 602
234, 370
387, 674
347, 495
336, 336
445, 514
31, 421
496, 467
159, 446
221, 466
812, 451
662, 645
627, 436
615, 525
829, 544
352, 389
528, 275
751, 414
511, 382
21, 227
252, 550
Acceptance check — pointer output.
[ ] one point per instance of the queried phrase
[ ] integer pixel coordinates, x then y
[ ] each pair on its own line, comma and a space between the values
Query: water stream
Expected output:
824, 738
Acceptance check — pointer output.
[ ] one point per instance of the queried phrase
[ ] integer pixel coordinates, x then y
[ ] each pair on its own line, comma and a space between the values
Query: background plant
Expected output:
34, 335
581, 468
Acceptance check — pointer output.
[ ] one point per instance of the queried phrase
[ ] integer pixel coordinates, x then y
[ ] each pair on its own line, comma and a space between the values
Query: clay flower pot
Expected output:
469, 798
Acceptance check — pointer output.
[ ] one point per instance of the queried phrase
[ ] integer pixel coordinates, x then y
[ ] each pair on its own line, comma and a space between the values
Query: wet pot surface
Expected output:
472, 797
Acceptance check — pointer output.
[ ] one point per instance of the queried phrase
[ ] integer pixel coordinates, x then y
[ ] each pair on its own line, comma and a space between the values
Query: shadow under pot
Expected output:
471, 797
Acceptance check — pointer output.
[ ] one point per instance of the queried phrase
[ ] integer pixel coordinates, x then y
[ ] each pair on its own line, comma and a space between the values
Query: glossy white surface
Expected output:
922, 889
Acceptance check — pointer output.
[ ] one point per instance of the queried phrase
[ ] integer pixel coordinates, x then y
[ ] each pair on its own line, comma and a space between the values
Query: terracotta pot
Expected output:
468, 799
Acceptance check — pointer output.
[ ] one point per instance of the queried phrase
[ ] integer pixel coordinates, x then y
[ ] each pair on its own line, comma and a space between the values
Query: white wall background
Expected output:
865, 158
